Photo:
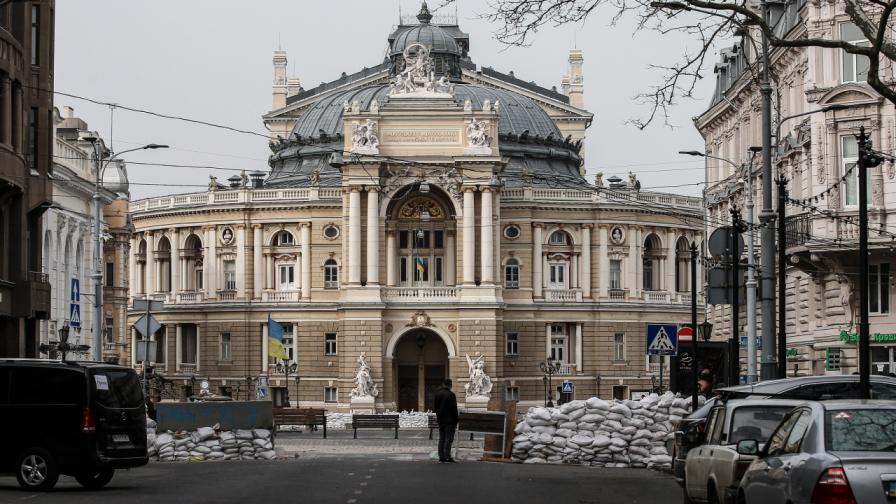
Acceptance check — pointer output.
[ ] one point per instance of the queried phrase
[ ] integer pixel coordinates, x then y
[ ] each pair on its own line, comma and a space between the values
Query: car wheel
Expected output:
36, 470
95, 479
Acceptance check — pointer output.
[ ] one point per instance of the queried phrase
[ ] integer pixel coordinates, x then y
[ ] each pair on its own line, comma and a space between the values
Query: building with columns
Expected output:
430, 211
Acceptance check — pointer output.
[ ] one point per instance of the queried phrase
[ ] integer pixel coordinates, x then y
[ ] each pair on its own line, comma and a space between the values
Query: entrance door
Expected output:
434, 376
407, 388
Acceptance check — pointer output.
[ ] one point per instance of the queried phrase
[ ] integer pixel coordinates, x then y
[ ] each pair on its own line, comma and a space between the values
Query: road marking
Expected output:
352, 501
368, 476
363, 483
358, 492
351, 474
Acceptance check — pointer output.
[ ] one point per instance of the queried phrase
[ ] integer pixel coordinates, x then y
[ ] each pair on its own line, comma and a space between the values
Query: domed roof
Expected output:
517, 113
436, 38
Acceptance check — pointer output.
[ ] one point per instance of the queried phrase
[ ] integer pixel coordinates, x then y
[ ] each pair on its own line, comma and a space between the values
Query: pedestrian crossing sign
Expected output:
566, 387
662, 339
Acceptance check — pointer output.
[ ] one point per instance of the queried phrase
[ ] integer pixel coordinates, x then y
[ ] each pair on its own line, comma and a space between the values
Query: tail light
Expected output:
701, 427
833, 488
87, 423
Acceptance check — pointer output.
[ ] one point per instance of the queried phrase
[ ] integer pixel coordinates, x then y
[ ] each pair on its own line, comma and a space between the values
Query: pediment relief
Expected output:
853, 93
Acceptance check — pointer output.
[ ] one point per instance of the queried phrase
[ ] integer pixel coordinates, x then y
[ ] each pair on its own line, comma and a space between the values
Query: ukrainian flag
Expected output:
421, 265
275, 340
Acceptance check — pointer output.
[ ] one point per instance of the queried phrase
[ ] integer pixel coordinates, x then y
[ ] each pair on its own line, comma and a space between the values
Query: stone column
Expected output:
537, 261
578, 348
487, 254
469, 244
211, 262
354, 236
585, 263
6, 111
132, 266
603, 274
670, 261
269, 272
264, 348
450, 259
18, 126
150, 282
176, 271
547, 341
639, 269
573, 275
391, 259
198, 346
257, 261
305, 233
241, 261
373, 237
178, 346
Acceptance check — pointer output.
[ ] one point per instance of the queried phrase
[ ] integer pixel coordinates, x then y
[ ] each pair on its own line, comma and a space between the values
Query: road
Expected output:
359, 480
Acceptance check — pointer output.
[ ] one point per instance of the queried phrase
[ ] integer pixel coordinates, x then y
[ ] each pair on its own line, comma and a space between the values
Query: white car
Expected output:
713, 470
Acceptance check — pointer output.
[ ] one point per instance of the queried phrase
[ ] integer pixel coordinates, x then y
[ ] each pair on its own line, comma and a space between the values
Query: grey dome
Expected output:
437, 39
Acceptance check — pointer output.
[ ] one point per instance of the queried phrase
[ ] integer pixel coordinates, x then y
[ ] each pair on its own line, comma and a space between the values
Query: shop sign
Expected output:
875, 338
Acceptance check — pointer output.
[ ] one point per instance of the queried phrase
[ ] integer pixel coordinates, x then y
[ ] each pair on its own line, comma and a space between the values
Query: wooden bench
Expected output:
374, 422
433, 425
310, 417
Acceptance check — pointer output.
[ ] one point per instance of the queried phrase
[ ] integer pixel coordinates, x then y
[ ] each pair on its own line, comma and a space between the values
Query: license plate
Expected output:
121, 438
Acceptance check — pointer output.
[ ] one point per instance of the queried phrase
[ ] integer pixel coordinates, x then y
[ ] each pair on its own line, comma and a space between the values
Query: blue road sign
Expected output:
74, 312
76, 290
662, 339
567, 387
743, 341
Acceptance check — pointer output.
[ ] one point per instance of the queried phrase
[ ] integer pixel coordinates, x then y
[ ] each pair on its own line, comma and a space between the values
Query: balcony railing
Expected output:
567, 369
656, 297
280, 296
161, 296
411, 294
618, 294
190, 297
562, 295
226, 295
798, 230
187, 368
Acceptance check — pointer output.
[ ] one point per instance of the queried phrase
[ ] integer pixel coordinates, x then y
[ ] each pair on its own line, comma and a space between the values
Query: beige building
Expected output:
816, 153
431, 211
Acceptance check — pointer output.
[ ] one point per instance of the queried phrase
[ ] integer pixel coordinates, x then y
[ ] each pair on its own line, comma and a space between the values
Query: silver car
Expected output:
841, 452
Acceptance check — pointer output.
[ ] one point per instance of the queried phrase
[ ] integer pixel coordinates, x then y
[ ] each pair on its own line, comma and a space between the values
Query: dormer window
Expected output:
558, 238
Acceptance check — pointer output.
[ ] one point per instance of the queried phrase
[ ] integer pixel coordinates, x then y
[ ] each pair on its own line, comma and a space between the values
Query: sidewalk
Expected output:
412, 444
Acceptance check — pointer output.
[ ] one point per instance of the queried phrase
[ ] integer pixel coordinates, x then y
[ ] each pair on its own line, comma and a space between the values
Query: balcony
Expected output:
567, 369
562, 295
227, 295
290, 296
418, 294
618, 294
798, 230
190, 297
657, 297
164, 297
187, 368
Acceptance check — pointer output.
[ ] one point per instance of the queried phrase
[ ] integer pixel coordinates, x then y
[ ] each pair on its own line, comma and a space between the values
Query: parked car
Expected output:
81, 419
689, 432
826, 453
713, 469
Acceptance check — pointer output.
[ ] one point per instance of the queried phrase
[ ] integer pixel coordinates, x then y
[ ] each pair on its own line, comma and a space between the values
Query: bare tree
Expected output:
707, 23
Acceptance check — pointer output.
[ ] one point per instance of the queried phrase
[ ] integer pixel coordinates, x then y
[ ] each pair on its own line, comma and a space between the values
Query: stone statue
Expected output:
364, 385
244, 179
212, 183
599, 179
480, 384
444, 86
477, 134
345, 106
418, 75
468, 105
487, 106
356, 107
633, 182
497, 104
314, 178
374, 107
364, 136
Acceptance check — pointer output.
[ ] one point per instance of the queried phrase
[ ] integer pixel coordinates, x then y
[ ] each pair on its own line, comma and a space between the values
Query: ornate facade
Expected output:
434, 223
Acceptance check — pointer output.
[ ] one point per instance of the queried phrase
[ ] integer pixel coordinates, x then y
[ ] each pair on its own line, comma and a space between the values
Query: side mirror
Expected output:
748, 447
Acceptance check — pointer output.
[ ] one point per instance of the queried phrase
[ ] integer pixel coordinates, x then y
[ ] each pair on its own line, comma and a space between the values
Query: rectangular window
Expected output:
110, 330
32, 137
849, 157
854, 67
199, 285
558, 348
421, 269
403, 239
512, 274
557, 276
330, 395
330, 344
513, 343
403, 271
512, 394
188, 344
35, 34
619, 347
439, 239
832, 359
229, 274
615, 274
110, 274
879, 288
225, 347
287, 277
438, 270
331, 275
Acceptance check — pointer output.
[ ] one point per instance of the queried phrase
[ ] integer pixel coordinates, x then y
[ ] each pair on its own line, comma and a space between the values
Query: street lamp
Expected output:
549, 368
97, 275
705, 328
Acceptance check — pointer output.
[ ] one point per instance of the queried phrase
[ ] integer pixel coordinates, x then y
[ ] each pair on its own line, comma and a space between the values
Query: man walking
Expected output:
446, 415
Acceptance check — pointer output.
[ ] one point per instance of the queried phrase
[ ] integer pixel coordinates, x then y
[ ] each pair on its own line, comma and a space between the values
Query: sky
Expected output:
211, 60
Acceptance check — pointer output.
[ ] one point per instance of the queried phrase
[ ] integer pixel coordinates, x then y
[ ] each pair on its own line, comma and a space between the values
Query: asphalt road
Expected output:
360, 480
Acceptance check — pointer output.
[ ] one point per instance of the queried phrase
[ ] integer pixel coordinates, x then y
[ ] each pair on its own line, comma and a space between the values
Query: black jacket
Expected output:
445, 406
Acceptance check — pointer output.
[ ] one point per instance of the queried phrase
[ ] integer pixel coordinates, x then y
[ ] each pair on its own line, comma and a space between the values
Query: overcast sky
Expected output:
211, 60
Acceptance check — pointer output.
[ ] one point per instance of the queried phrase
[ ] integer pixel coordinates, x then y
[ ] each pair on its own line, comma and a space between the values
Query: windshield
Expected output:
114, 388
755, 422
861, 430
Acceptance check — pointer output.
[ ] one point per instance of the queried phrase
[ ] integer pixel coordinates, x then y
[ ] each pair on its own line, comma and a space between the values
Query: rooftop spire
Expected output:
424, 16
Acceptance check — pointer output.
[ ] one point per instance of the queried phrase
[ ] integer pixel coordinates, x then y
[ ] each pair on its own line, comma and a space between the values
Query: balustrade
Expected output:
410, 294
561, 295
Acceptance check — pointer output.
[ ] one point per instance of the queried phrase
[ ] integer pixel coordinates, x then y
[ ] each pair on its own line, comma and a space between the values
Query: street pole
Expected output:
97, 275
734, 255
866, 160
146, 346
782, 276
767, 218
695, 369
751, 282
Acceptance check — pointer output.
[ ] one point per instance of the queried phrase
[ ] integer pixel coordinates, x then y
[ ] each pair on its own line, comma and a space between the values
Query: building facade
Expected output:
26, 149
816, 153
68, 243
429, 215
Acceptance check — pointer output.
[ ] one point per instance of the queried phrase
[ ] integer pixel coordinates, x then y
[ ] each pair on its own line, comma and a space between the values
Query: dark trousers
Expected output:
446, 438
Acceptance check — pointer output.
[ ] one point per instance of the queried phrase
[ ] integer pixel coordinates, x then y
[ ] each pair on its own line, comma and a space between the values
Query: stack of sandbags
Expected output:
151, 437
211, 443
338, 421
618, 433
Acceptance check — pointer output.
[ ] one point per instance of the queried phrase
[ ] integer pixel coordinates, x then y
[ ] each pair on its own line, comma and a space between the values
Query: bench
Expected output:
374, 422
310, 417
433, 424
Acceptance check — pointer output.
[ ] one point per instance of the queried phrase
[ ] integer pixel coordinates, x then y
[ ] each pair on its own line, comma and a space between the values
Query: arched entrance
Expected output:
420, 363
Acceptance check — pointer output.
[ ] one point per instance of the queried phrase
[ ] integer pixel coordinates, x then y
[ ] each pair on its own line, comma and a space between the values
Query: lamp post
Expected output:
694, 369
97, 275
867, 159
549, 368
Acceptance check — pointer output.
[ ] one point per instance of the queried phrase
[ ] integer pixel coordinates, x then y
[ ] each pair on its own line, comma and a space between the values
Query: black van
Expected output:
82, 419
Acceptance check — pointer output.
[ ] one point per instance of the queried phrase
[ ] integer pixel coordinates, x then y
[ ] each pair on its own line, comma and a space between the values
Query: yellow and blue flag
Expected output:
421, 265
275, 340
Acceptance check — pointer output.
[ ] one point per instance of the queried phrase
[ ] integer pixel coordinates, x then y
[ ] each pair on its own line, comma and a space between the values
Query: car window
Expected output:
46, 385
883, 391
779, 437
861, 430
714, 425
115, 388
798, 432
755, 422
831, 390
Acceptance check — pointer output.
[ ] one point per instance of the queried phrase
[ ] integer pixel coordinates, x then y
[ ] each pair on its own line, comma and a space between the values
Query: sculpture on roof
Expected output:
418, 76
364, 137
599, 179
477, 134
212, 183
633, 182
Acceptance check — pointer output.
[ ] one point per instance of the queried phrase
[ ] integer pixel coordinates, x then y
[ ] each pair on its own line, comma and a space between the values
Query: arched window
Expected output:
650, 263
284, 239
682, 265
512, 274
331, 274
558, 238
